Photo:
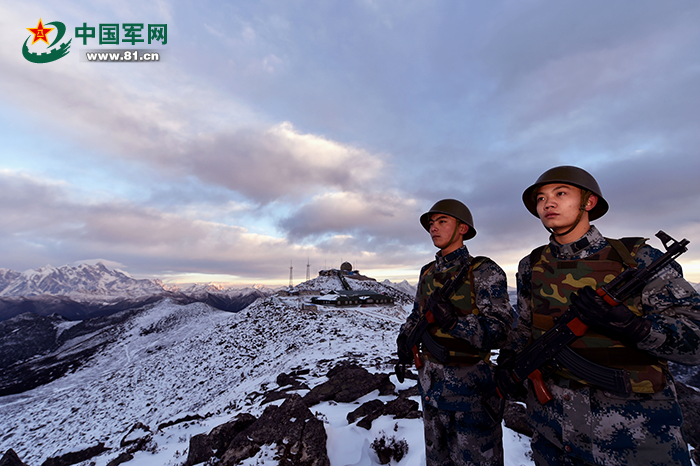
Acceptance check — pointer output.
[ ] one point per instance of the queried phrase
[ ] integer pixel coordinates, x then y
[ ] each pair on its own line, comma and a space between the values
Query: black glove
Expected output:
617, 322
405, 353
508, 387
442, 310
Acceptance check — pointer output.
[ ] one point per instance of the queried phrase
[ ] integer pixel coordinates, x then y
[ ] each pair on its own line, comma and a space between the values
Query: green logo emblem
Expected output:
41, 34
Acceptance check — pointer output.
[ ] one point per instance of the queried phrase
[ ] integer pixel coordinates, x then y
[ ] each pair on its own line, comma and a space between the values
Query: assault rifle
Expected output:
551, 351
419, 331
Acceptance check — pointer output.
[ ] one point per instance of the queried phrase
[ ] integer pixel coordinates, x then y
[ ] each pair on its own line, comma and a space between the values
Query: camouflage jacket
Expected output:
459, 388
668, 301
608, 428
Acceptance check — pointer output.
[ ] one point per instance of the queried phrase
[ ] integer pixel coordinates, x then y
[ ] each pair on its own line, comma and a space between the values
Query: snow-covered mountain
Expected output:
171, 362
91, 290
402, 286
84, 279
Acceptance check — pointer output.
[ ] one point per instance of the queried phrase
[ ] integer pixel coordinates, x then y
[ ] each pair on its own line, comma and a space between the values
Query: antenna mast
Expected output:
291, 284
308, 268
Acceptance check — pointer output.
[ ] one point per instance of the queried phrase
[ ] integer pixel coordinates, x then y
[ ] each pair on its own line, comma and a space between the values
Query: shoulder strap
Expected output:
536, 254
427, 268
626, 248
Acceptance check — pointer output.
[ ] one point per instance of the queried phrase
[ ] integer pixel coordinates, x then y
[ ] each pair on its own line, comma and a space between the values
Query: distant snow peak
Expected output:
81, 279
402, 286
111, 265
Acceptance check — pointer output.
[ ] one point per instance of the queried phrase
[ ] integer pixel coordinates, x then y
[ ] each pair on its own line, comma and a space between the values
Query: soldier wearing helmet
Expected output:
454, 355
584, 424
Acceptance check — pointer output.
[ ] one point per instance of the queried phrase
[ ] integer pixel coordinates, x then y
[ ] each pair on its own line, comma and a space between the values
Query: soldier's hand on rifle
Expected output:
617, 322
442, 310
508, 387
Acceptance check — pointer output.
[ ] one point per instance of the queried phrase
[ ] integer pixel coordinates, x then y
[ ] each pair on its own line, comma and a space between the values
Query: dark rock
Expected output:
400, 408
220, 437
137, 434
285, 379
413, 391
274, 396
346, 382
188, 418
366, 409
689, 399
366, 422
695, 456
386, 387
200, 450
76, 456
299, 436
10, 458
204, 446
515, 416
122, 458
286, 382
240, 450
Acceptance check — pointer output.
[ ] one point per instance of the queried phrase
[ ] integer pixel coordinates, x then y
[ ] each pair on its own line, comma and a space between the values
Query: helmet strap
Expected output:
454, 233
585, 195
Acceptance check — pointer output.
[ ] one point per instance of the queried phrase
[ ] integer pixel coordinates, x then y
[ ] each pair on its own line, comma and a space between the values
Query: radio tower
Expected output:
308, 268
291, 284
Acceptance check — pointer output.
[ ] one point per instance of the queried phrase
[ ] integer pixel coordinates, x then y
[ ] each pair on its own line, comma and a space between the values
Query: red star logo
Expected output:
40, 33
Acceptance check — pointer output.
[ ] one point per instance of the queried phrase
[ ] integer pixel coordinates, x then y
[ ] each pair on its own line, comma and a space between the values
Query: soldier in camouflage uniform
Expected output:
469, 323
584, 424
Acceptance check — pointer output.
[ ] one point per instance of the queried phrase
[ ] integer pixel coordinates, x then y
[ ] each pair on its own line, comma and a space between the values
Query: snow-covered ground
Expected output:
180, 360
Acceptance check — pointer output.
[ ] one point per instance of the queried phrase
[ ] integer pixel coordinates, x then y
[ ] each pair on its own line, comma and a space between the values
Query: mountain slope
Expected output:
171, 360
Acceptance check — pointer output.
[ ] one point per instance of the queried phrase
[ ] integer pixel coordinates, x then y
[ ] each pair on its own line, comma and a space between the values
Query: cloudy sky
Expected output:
286, 131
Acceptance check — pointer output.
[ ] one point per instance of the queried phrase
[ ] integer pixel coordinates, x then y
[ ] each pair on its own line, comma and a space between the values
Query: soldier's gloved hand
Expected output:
617, 322
508, 387
405, 353
442, 310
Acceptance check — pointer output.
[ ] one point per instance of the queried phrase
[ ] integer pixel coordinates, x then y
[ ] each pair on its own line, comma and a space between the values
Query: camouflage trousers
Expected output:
457, 438
588, 426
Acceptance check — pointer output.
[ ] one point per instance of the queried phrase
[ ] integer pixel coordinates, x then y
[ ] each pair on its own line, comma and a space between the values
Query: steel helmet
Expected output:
574, 176
453, 208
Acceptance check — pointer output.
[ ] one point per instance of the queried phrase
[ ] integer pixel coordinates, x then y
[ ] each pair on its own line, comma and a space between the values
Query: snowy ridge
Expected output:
93, 282
81, 280
201, 289
403, 286
176, 360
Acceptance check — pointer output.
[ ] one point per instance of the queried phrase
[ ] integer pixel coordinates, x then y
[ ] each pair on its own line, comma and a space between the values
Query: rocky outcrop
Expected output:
10, 458
400, 408
76, 456
348, 382
205, 446
299, 437
296, 433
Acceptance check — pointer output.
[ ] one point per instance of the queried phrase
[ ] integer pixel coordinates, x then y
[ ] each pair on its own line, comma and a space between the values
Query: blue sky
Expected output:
278, 131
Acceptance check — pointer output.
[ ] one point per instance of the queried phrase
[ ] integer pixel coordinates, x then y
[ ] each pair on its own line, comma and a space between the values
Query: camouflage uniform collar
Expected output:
587, 245
457, 257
